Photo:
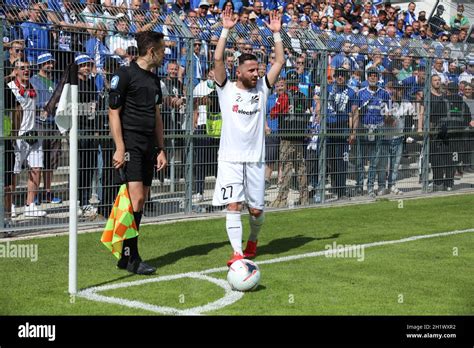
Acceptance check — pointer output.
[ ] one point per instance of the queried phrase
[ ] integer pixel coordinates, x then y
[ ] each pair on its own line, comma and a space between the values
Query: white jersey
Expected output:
243, 122
28, 105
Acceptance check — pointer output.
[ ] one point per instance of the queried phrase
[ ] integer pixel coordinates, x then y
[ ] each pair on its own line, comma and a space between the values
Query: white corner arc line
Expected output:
230, 296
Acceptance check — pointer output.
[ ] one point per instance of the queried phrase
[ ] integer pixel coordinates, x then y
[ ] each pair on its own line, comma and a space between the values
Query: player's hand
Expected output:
228, 19
275, 22
471, 124
161, 161
118, 159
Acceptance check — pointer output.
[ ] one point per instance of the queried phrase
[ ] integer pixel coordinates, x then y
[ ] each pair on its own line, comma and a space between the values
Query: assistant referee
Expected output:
137, 129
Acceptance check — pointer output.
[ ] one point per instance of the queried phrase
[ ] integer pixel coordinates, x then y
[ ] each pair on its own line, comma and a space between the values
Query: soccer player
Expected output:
137, 129
241, 161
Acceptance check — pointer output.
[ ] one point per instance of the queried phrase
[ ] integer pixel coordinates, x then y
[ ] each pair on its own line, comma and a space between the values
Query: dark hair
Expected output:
247, 56
147, 39
225, 3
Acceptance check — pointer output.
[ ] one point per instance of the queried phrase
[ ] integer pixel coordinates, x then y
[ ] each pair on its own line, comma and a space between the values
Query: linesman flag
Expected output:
121, 223
60, 103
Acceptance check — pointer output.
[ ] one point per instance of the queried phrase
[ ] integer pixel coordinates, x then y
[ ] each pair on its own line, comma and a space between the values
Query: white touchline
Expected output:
230, 295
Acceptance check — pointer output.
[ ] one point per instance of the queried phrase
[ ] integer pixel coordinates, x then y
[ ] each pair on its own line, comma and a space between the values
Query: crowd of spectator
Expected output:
365, 40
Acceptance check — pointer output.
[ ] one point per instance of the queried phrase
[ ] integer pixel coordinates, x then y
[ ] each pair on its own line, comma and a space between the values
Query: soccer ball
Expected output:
244, 275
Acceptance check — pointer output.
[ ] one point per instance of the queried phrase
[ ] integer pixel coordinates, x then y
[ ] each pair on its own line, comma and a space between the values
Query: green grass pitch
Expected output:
432, 276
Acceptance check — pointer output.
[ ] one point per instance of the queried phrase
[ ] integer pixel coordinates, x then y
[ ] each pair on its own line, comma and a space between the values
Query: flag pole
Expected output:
73, 175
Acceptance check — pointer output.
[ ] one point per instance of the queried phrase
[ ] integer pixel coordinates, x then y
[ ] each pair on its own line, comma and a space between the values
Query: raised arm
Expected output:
275, 26
228, 22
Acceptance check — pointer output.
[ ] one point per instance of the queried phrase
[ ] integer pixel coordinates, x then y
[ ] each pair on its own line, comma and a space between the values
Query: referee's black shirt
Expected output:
138, 92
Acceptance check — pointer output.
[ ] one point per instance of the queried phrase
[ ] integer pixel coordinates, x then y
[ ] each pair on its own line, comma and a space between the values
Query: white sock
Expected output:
255, 226
234, 230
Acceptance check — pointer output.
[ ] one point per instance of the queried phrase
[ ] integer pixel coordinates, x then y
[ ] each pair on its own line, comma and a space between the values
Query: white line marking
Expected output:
230, 295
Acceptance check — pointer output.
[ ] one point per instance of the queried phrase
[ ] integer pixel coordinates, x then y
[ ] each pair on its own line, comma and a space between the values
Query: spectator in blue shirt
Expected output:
341, 109
35, 33
344, 58
374, 105
96, 47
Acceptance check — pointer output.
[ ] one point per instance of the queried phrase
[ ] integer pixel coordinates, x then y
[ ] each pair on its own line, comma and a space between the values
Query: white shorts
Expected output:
240, 182
33, 154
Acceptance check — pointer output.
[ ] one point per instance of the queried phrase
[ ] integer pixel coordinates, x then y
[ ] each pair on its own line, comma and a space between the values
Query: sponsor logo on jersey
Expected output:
235, 108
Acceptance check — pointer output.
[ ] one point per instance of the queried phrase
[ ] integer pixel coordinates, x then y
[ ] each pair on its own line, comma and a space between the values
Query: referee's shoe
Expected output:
137, 266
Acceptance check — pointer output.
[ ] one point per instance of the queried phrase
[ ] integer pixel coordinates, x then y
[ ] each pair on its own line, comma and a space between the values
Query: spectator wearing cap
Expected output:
35, 33
88, 129
374, 104
204, 17
342, 110
119, 42
436, 22
459, 21
44, 86
468, 74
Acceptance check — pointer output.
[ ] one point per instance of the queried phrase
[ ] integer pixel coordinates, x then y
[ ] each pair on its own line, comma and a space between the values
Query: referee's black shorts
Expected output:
142, 152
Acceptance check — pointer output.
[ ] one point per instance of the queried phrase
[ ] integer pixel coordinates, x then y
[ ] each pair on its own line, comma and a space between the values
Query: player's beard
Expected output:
249, 83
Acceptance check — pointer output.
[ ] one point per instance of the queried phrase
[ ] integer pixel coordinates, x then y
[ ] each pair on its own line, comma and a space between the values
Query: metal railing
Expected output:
326, 143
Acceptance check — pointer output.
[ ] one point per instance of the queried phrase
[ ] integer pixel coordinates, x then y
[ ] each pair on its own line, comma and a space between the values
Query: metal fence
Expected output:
352, 117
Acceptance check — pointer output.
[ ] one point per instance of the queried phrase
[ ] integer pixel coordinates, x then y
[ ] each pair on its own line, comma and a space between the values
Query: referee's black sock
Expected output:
130, 246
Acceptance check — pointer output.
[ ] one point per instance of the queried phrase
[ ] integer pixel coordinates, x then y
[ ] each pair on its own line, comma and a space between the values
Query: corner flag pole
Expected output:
73, 174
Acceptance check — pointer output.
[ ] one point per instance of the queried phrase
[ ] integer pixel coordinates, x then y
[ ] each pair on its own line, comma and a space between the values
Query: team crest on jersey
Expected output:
254, 99
114, 82
235, 108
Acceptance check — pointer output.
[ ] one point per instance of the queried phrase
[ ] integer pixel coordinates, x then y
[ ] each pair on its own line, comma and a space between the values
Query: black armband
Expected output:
115, 101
